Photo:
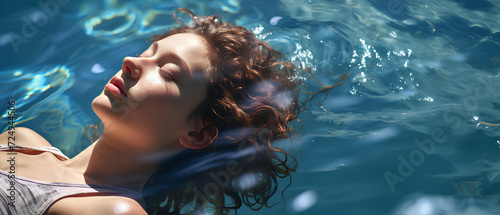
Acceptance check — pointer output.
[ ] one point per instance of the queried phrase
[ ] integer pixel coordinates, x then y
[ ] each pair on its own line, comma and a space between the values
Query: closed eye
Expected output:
167, 74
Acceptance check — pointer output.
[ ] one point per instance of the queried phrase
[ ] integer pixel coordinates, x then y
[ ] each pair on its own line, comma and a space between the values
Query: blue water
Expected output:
413, 130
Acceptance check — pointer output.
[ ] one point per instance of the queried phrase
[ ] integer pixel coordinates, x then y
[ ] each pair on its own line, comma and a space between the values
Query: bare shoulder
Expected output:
120, 206
97, 205
26, 137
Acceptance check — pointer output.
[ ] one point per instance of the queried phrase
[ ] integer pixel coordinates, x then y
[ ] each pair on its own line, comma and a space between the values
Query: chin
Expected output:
103, 108
109, 103
113, 112
100, 102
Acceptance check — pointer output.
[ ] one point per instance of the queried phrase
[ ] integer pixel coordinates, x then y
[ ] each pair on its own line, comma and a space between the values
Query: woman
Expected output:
188, 124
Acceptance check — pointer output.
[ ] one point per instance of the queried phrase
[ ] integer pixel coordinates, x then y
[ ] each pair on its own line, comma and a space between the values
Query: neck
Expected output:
112, 161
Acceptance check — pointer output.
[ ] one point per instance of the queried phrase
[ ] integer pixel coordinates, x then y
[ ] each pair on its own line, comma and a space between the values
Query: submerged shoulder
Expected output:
26, 137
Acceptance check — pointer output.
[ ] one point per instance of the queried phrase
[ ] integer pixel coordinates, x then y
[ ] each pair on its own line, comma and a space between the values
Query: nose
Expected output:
132, 67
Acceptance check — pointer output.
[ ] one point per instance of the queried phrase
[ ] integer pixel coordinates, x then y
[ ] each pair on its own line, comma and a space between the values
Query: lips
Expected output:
117, 86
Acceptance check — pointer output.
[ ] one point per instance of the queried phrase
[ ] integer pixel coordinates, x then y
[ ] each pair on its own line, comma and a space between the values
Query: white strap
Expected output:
54, 150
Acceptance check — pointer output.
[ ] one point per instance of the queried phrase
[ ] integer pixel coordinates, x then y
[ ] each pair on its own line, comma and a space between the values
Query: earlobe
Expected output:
196, 139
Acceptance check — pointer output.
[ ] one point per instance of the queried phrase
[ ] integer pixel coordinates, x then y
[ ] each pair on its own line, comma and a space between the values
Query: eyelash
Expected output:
161, 70
166, 73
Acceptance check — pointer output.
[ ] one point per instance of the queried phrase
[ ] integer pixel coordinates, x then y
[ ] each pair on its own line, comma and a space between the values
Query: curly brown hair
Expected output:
252, 100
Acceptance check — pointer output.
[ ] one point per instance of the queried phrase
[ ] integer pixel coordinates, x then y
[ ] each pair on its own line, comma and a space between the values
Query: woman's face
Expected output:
150, 100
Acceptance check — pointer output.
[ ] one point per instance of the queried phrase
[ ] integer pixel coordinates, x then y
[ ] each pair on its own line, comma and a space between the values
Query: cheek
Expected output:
158, 121
154, 86
195, 92
159, 110
154, 78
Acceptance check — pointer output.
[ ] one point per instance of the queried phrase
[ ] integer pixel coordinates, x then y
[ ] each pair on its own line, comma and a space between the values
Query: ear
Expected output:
195, 139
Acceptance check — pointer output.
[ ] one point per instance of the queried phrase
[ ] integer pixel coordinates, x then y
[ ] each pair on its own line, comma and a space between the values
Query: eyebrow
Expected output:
181, 61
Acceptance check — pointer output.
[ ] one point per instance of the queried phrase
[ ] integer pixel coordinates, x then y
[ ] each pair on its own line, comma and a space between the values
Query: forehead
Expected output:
184, 39
191, 47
